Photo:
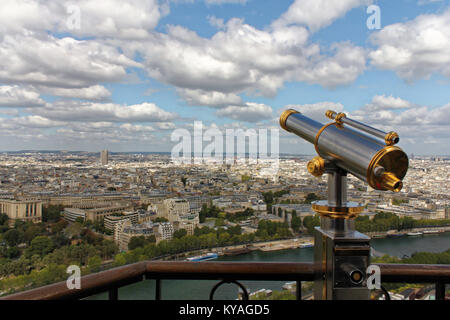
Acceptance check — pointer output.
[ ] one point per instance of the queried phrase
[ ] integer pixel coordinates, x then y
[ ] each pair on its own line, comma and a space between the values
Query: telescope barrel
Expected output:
382, 167
389, 138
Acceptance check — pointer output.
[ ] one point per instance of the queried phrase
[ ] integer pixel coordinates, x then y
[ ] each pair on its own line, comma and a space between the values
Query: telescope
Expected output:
342, 254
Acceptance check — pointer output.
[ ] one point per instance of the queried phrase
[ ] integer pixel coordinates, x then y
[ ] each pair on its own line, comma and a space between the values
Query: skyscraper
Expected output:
104, 157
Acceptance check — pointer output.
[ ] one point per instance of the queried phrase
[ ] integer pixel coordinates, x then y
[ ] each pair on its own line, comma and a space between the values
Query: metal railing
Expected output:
226, 272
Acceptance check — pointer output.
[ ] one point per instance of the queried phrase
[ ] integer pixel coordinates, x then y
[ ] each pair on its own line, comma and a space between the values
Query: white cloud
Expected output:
250, 112
381, 102
317, 14
109, 112
69, 63
132, 19
216, 22
415, 49
96, 92
243, 59
17, 96
33, 121
209, 98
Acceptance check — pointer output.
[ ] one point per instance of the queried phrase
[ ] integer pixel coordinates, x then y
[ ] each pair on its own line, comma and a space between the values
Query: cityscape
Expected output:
112, 204
246, 151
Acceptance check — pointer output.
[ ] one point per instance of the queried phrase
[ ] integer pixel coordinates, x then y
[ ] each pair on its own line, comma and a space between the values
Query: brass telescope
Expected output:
379, 163
342, 254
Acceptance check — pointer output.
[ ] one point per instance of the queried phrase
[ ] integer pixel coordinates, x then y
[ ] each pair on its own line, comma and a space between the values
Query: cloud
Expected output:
415, 49
243, 59
17, 96
316, 14
104, 112
250, 112
381, 102
132, 19
95, 92
209, 98
61, 63
32, 121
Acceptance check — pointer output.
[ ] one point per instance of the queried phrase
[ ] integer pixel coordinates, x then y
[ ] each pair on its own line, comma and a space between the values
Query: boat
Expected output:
208, 256
394, 235
432, 231
235, 252
306, 245
413, 234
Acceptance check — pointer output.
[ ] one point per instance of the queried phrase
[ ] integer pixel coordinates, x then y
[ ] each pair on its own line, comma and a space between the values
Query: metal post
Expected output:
341, 254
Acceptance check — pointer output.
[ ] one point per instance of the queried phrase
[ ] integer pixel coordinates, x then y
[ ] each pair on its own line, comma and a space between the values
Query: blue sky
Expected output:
124, 75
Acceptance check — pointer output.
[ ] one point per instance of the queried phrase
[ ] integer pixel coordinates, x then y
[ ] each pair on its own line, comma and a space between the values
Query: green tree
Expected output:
137, 242
41, 245
310, 222
13, 237
180, 233
94, 263
296, 223
310, 198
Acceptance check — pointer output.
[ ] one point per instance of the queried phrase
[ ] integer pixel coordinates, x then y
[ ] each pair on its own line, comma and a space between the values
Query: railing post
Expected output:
298, 290
113, 294
158, 289
440, 291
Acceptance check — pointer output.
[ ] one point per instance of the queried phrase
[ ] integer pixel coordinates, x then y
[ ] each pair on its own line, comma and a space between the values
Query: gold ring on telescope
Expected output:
316, 140
284, 117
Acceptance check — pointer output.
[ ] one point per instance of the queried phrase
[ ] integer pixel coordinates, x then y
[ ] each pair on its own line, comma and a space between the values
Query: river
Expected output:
199, 289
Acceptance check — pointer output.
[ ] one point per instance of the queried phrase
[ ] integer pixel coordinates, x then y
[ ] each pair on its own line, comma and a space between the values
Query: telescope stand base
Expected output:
340, 260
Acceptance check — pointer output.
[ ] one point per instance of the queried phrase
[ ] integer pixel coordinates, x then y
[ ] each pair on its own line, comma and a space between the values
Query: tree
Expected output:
41, 245
180, 233
52, 213
94, 263
280, 212
310, 198
203, 213
296, 223
13, 237
4, 219
137, 242
268, 197
309, 222
31, 233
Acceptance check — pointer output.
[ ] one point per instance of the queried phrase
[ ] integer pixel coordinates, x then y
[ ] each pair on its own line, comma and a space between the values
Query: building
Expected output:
111, 220
126, 230
104, 157
188, 222
176, 207
164, 231
25, 210
95, 214
71, 214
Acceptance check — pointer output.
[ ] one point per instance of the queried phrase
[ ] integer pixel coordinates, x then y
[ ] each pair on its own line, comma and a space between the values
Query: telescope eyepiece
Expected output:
284, 117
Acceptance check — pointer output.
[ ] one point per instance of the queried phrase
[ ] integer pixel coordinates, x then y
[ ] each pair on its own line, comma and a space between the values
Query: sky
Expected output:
125, 75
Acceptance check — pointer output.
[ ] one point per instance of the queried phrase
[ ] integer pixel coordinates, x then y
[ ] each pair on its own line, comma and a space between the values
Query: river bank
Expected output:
409, 232
296, 243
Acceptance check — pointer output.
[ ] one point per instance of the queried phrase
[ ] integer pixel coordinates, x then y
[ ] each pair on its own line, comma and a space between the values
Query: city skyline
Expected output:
79, 77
